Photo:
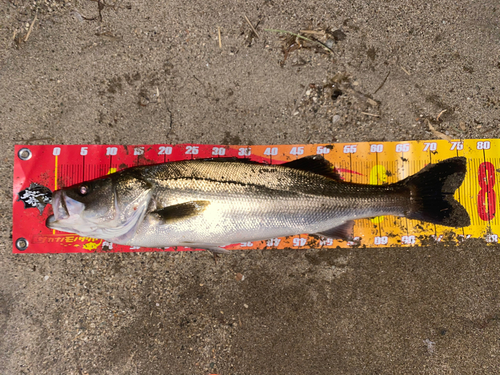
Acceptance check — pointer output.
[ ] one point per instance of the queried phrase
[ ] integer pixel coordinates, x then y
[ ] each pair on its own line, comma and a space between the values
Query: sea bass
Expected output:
213, 203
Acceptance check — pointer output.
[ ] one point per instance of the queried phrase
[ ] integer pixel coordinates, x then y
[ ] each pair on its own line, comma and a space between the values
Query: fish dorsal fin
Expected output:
315, 164
181, 211
232, 159
344, 231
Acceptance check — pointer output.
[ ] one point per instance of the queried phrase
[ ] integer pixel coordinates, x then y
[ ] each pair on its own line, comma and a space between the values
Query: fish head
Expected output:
110, 208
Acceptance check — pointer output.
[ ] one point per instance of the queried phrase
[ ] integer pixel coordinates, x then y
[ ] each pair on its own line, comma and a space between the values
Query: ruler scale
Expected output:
57, 166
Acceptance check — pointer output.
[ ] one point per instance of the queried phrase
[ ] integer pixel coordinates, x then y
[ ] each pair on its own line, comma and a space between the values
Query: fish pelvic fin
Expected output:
176, 212
432, 190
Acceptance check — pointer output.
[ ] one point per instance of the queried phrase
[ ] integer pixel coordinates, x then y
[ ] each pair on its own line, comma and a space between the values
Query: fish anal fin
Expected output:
181, 211
315, 164
344, 231
217, 250
213, 248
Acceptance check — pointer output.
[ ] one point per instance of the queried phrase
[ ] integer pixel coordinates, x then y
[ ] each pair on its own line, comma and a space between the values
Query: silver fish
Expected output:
213, 203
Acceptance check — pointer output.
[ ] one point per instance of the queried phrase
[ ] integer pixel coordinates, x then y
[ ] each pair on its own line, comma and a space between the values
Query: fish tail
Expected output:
432, 190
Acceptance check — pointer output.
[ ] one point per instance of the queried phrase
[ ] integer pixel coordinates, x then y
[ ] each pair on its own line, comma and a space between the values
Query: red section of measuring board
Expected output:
368, 162
61, 166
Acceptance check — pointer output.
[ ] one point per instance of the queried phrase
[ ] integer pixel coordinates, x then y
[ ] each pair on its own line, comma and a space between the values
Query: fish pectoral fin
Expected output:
315, 164
344, 231
181, 211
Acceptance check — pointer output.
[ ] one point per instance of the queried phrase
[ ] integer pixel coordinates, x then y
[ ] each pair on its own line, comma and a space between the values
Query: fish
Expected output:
211, 203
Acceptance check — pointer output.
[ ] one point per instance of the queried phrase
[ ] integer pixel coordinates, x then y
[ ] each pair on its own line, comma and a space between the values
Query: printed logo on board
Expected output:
35, 196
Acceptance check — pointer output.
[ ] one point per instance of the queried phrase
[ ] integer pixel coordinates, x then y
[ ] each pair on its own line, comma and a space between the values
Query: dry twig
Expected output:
300, 37
437, 133
313, 32
253, 29
31, 28
383, 82
440, 113
404, 70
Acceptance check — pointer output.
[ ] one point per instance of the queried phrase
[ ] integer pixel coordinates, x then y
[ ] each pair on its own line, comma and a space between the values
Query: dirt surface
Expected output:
144, 72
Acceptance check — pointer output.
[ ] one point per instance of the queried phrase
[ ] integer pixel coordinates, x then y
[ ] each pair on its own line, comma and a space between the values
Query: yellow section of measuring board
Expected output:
389, 162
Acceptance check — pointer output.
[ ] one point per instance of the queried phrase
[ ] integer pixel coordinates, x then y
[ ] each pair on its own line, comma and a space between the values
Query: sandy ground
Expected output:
153, 72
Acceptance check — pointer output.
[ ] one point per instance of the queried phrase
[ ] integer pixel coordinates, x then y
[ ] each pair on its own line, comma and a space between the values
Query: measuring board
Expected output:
369, 163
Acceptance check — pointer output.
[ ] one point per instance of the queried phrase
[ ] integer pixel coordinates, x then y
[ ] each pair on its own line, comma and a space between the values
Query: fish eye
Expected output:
83, 190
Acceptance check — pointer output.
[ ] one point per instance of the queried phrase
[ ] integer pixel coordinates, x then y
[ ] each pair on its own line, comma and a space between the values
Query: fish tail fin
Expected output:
432, 190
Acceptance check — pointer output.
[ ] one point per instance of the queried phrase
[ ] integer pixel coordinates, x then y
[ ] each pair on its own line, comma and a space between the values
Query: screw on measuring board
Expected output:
24, 154
22, 244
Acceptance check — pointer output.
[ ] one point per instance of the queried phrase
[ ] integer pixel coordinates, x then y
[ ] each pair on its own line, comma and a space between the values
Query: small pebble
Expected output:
335, 119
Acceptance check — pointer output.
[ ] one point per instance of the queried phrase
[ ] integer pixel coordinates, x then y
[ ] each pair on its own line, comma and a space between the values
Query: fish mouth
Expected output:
63, 207
59, 208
